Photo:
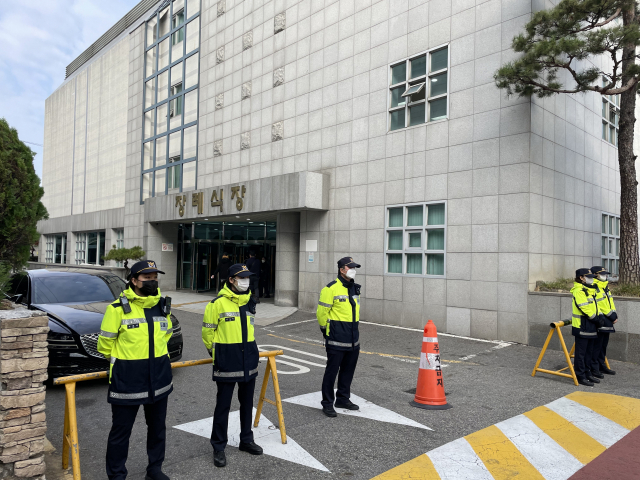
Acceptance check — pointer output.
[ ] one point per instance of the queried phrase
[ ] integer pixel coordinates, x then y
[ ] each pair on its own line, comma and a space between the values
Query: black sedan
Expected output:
75, 301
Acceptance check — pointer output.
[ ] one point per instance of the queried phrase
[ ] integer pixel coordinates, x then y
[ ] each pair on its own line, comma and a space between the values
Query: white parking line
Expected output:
295, 323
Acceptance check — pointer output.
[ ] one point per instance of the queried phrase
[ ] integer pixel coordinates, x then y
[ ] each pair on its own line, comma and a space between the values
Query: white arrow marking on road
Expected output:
367, 409
265, 435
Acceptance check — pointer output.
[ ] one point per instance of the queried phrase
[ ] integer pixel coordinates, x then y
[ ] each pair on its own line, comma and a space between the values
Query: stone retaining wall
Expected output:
547, 307
23, 370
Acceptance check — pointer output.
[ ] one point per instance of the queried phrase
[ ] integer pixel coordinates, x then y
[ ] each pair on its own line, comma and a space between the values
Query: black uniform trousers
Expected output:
124, 417
583, 360
221, 413
600, 351
253, 287
265, 287
340, 363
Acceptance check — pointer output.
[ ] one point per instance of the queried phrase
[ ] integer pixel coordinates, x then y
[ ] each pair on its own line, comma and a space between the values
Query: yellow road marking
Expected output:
624, 411
391, 355
420, 468
191, 303
566, 434
501, 457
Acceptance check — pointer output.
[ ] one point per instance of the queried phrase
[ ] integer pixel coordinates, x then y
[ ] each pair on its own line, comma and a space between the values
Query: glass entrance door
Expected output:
205, 256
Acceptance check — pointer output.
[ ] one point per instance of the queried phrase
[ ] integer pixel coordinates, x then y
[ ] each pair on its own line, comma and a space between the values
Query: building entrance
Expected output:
201, 247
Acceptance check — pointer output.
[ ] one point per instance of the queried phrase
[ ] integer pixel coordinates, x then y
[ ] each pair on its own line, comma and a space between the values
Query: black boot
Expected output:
219, 459
156, 476
329, 412
608, 371
348, 405
585, 382
597, 375
251, 448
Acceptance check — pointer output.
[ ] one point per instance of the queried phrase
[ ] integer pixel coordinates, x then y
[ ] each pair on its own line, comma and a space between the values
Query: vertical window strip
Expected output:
166, 91
610, 243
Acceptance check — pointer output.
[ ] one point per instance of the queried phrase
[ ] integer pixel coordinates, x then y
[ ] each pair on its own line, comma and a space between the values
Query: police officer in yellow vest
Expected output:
227, 332
585, 322
134, 335
608, 310
338, 315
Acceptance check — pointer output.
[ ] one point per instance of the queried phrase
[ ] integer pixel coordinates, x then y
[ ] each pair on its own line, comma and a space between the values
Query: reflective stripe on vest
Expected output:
322, 304
137, 396
342, 298
210, 325
229, 315
133, 321
234, 374
341, 344
108, 334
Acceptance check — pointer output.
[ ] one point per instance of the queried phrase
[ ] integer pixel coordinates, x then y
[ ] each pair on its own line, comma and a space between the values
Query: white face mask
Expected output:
264, 261
602, 278
351, 273
588, 281
242, 284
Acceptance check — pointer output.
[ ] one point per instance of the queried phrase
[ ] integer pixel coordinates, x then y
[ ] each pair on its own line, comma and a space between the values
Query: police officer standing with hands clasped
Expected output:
604, 299
133, 336
227, 332
338, 315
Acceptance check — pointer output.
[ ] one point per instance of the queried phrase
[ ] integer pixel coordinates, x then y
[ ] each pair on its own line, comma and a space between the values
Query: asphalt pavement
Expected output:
486, 382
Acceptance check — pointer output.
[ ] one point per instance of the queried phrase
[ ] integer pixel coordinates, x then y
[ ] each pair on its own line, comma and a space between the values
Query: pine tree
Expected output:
20, 205
558, 42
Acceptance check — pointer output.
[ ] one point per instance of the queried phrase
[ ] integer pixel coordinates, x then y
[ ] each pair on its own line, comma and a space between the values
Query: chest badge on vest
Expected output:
133, 325
164, 326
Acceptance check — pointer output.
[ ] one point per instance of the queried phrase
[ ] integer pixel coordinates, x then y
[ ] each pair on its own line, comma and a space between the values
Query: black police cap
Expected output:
584, 272
599, 271
145, 266
239, 270
347, 262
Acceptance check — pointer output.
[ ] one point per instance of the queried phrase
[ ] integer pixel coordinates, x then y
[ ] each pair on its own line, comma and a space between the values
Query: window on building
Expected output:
610, 117
610, 248
171, 84
56, 249
415, 239
418, 89
48, 252
90, 248
119, 234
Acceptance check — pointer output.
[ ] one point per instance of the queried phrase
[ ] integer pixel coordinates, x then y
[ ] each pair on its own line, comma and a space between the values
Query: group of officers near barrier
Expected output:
136, 328
592, 321
134, 335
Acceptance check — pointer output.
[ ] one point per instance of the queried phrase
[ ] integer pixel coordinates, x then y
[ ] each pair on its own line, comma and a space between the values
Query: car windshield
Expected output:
76, 288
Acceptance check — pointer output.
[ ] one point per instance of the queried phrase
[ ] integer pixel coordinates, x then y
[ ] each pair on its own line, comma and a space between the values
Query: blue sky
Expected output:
39, 39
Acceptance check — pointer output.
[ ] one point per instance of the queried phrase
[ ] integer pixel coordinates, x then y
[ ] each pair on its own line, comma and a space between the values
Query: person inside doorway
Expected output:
265, 278
253, 264
222, 269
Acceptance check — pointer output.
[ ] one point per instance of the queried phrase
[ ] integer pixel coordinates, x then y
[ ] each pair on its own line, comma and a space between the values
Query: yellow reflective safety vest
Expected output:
606, 306
339, 313
584, 318
228, 334
136, 345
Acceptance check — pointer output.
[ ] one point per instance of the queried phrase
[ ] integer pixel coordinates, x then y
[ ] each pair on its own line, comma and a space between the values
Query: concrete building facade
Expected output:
363, 128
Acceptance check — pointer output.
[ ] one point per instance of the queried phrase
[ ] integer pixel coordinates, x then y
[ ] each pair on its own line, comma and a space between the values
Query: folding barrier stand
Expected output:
271, 368
555, 327
70, 436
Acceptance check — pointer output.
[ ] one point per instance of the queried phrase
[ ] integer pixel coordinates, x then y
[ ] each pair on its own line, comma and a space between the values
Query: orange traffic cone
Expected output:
430, 390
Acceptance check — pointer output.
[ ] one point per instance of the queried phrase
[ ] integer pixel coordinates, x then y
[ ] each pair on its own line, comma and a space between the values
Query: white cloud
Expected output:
38, 39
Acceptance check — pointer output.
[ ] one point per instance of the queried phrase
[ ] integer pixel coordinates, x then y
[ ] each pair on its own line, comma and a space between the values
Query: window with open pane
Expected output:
418, 89
610, 242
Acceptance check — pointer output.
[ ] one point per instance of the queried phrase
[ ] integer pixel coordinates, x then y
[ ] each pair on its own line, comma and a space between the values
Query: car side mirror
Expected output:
17, 298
